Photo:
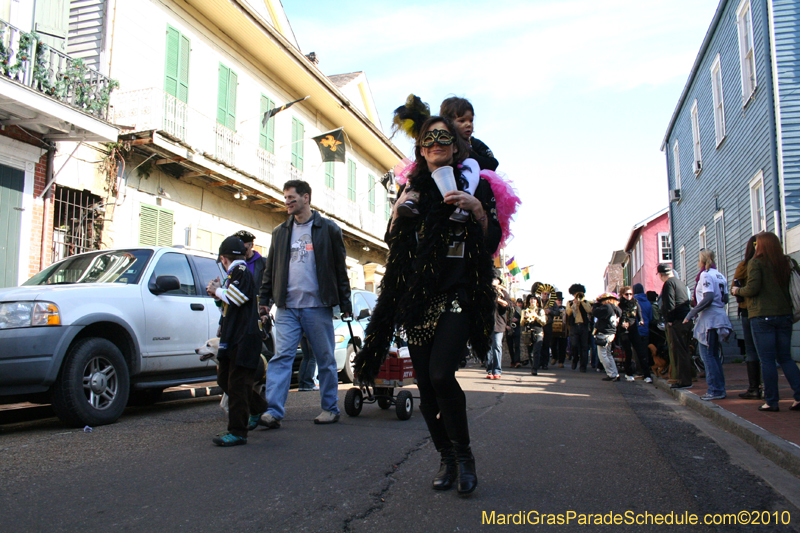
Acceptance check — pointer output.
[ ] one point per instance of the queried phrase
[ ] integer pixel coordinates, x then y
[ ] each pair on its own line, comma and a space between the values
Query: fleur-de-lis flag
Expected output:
331, 145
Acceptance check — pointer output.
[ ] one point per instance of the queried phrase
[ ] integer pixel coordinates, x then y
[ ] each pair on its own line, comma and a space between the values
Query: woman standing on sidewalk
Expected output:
713, 324
438, 291
753, 391
770, 312
628, 335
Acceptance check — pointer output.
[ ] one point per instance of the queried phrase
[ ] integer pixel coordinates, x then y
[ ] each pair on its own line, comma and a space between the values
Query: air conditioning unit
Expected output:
674, 195
698, 166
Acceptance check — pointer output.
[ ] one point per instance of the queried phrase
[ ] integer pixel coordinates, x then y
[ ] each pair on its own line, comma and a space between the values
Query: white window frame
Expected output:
661, 247
639, 254
676, 163
722, 255
682, 261
747, 52
719, 100
698, 158
701, 238
758, 221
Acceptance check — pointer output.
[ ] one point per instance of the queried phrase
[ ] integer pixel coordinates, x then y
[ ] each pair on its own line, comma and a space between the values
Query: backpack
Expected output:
794, 291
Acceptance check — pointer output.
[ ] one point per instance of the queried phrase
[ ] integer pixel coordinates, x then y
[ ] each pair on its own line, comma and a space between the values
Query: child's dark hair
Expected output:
455, 107
231, 257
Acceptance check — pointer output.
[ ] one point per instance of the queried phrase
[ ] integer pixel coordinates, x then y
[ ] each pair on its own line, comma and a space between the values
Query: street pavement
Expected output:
558, 443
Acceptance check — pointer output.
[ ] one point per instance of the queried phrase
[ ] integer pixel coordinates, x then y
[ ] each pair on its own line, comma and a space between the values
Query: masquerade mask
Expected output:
443, 137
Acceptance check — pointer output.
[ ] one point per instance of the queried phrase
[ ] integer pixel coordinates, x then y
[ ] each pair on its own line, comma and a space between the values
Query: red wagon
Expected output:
396, 372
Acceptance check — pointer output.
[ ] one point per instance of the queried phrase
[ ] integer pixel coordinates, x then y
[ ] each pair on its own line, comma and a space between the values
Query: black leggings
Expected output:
435, 363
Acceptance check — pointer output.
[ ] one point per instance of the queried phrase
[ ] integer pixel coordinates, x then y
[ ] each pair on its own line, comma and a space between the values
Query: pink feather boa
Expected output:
505, 196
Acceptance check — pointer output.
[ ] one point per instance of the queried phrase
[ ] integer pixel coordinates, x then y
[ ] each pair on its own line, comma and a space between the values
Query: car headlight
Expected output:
338, 339
27, 314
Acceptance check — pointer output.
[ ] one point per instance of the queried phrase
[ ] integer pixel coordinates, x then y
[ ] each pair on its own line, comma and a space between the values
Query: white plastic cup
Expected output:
444, 179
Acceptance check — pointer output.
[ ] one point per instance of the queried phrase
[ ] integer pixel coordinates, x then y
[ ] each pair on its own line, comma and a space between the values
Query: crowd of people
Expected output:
663, 332
441, 295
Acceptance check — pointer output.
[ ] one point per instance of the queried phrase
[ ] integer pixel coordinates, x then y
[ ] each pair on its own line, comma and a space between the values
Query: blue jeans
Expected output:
495, 354
290, 324
773, 339
715, 378
308, 367
749, 347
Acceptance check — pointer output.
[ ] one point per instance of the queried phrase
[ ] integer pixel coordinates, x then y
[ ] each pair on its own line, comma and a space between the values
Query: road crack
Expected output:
389, 481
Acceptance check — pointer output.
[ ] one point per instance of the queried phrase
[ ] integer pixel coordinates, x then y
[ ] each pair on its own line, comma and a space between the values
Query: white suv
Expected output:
90, 331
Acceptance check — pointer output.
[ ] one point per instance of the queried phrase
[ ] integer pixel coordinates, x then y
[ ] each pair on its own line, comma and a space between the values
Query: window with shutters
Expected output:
351, 180
176, 71
226, 97
266, 137
371, 184
676, 163
758, 213
330, 177
298, 136
155, 226
698, 165
387, 206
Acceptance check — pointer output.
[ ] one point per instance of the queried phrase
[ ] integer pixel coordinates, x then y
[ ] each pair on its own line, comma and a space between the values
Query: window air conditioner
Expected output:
674, 195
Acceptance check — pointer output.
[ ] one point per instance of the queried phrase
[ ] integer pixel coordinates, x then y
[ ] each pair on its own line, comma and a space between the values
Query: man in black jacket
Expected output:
674, 308
306, 277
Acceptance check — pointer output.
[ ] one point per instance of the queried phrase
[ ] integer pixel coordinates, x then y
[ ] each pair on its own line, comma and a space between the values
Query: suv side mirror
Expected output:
364, 313
164, 284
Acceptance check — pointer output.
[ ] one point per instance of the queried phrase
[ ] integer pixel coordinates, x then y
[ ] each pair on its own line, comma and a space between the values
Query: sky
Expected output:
572, 96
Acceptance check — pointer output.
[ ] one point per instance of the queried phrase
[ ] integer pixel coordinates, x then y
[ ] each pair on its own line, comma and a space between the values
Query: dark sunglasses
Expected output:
443, 137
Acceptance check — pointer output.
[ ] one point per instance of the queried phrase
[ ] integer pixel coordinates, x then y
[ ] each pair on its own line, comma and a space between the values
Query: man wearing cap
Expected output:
254, 261
674, 308
239, 343
306, 277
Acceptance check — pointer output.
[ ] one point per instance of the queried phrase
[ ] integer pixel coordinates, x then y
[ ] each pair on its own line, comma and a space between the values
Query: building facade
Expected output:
195, 159
648, 246
733, 143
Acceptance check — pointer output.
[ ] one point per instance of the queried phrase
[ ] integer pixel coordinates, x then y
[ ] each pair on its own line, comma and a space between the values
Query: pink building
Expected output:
648, 246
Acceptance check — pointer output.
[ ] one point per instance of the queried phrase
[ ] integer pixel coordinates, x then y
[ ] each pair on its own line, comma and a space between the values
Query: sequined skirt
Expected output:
442, 303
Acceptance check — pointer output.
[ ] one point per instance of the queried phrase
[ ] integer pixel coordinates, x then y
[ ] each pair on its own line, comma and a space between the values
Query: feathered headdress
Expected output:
409, 117
575, 288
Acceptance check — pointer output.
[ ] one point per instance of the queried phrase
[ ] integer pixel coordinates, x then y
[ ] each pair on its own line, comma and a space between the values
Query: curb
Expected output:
781, 452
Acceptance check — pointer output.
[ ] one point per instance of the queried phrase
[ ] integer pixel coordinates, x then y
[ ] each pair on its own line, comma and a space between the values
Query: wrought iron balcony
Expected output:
28, 61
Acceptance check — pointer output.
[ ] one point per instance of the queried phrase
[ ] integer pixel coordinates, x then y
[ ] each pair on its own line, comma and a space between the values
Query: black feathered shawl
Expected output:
414, 268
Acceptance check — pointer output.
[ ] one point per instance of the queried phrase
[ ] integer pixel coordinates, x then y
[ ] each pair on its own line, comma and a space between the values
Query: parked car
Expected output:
93, 329
344, 349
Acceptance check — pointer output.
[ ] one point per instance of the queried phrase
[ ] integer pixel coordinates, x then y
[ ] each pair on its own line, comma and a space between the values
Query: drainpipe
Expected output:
47, 193
776, 148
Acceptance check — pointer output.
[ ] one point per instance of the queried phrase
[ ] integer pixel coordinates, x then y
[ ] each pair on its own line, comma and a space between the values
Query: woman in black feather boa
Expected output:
438, 293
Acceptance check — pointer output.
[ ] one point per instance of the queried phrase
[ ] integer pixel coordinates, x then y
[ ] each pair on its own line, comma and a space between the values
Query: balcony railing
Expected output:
153, 109
26, 60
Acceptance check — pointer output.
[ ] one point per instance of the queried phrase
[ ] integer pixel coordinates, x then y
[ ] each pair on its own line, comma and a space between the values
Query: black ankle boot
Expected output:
753, 391
454, 415
447, 473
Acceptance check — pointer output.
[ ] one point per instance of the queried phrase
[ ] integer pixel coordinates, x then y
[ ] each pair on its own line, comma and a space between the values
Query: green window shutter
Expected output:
330, 177
183, 71
371, 193
387, 206
351, 180
298, 134
233, 85
172, 64
222, 94
155, 226
266, 137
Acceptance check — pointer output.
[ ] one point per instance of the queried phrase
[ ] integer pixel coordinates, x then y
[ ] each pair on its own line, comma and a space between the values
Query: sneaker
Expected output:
228, 439
268, 421
327, 417
629, 378
680, 386
709, 396
252, 422
648, 380
489, 376
609, 378
496, 376
315, 388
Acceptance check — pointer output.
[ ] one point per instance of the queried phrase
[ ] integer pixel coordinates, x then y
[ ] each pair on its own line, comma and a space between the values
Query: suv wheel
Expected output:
93, 385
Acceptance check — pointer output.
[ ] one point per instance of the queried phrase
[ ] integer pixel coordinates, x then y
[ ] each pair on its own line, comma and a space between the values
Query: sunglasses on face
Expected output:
628, 294
443, 137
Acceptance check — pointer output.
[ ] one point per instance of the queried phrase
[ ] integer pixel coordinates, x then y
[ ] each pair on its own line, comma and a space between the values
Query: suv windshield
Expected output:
108, 266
